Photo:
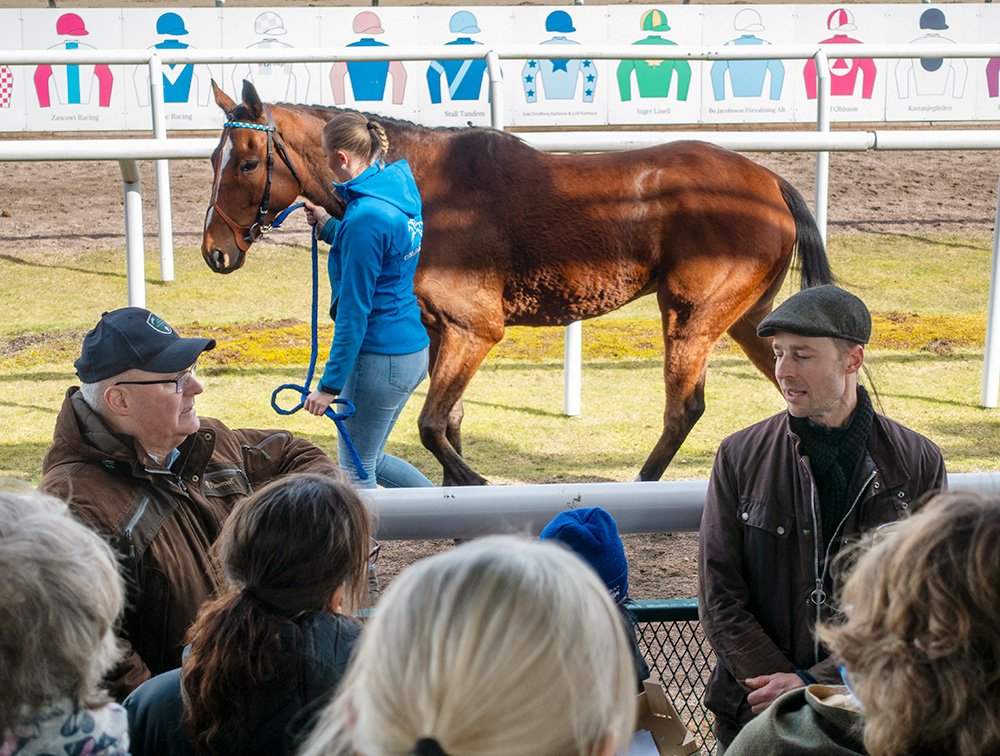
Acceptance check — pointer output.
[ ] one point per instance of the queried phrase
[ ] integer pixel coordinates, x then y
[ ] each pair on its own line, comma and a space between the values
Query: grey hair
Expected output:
60, 597
93, 393
500, 646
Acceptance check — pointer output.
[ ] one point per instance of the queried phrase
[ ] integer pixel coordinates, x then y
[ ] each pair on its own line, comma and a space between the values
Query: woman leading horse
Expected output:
515, 236
379, 353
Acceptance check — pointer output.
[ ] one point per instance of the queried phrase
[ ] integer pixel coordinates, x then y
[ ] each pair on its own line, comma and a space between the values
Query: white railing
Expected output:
467, 512
161, 149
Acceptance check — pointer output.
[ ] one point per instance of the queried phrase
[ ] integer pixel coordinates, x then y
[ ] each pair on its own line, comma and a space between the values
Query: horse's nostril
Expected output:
218, 259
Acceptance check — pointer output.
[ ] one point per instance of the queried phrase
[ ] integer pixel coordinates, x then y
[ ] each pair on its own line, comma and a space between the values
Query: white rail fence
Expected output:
128, 151
661, 507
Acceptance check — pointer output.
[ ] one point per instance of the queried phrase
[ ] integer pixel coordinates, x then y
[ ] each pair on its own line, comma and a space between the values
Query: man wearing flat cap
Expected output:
787, 494
135, 462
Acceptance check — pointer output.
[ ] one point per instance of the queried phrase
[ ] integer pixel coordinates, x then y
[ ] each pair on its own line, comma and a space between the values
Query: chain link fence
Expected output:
671, 639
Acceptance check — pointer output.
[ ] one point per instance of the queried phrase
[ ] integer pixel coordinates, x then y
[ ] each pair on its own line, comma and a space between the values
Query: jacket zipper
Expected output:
260, 445
132, 523
818, 596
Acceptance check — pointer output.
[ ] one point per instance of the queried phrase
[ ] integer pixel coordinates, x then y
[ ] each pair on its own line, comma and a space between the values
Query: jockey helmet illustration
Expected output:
463, 22
840, 20
654, 20
559, 22
269, 22
367, 22
748, 20
170, 24
933, 18
71, 25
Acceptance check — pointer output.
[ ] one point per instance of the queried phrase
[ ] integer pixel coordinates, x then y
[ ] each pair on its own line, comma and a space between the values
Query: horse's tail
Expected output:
813, 262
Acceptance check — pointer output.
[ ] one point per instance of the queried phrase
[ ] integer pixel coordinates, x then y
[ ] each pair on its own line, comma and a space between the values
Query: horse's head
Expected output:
254, 181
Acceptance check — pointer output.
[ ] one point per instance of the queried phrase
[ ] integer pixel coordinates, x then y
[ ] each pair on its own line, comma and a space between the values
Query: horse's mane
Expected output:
325, 113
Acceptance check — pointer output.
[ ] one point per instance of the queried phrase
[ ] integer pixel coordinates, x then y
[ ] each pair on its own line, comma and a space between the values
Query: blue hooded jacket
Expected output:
373, 255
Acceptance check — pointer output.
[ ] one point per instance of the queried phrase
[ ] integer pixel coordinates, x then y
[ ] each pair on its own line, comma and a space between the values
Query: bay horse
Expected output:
515, 236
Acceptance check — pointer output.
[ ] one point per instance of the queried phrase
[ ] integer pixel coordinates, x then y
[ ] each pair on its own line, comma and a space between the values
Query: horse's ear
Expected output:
252, 100
223, 100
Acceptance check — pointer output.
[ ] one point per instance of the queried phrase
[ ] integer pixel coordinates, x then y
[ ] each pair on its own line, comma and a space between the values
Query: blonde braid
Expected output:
381, 151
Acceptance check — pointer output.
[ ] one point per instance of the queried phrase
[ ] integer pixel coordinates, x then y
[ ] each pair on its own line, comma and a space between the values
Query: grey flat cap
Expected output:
821, 311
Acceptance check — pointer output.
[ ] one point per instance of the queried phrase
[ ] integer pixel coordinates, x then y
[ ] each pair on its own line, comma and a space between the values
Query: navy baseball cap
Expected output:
135, 339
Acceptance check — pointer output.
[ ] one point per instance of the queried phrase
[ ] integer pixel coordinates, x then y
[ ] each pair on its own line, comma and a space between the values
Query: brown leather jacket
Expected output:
764, 577
163, 522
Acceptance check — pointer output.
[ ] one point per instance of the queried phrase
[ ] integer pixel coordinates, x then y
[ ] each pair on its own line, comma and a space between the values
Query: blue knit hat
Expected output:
593, 535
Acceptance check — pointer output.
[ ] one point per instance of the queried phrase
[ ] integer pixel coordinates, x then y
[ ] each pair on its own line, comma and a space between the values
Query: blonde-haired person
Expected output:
499, 647
60, 597
920, 645
379, 353
269, 651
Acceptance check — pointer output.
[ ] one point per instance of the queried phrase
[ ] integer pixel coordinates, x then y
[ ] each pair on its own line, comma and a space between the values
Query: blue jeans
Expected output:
379, 385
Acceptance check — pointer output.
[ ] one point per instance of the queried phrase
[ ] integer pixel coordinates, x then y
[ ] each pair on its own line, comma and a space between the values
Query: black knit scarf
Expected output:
834, 454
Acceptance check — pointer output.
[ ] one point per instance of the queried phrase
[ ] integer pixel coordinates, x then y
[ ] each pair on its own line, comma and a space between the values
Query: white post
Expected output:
135, 266
572, 368
496, 89
991, 362
823, 125
164, 216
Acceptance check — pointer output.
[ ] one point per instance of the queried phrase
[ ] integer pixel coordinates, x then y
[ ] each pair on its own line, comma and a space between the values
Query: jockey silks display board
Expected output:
560, 87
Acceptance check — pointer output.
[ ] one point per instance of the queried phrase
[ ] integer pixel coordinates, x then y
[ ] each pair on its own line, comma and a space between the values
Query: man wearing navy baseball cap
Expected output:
786, 495
134, 461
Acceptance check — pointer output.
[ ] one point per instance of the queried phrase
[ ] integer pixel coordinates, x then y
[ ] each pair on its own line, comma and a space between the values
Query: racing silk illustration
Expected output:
368, 78
463, 77
559, 76
653, 77
931, 76
6, 86
746, 77
281, 82
73, 83
993, 77
178, 78
180, 81
843, 72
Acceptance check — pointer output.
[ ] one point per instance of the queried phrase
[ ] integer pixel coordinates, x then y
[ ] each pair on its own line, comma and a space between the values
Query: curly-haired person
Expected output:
920, 646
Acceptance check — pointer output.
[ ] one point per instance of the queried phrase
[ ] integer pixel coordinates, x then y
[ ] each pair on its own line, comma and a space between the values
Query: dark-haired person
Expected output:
135, 461
379, 353
270, 650
786, 494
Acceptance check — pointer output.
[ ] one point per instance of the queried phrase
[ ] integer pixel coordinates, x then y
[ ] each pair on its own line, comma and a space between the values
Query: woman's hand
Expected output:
317, 402
315, 215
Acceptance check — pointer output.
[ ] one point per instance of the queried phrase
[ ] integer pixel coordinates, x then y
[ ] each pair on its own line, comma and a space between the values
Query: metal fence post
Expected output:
164, 215
822, 125
135, 264
991, 361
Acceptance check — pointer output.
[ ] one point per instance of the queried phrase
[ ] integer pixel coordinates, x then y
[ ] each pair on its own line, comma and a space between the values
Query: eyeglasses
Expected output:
373, 554
180, 382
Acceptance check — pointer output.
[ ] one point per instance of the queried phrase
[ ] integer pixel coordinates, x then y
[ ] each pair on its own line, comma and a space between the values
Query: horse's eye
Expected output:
248, 165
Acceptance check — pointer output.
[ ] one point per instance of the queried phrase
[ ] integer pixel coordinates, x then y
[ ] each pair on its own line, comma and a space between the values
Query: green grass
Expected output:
929, 297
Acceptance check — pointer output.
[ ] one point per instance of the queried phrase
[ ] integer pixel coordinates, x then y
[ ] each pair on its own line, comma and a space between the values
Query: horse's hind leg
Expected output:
460, 352
453, 431
744, 333
688, 338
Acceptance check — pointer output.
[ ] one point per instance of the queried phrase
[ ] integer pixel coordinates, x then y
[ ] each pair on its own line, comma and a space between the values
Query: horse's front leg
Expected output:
460, 353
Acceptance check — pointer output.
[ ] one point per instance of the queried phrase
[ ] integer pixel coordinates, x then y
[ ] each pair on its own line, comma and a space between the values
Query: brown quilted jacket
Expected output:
162, 523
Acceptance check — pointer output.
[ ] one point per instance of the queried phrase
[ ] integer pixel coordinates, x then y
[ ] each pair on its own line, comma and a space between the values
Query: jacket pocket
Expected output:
226, 481
765, 516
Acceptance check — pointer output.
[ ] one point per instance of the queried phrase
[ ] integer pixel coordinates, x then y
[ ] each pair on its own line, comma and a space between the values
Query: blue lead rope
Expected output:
338, 417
